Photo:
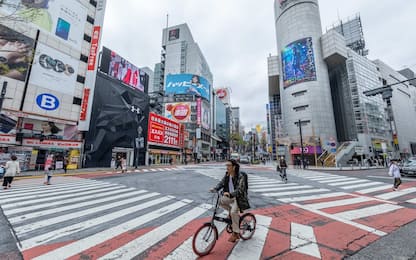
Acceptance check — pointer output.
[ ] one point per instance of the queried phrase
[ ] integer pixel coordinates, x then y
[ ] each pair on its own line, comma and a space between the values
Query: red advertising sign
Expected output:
84, 104
94, 47
221, 93
198, 111
163, 130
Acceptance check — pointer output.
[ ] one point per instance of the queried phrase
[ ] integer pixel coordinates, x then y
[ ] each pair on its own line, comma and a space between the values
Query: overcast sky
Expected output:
236, 37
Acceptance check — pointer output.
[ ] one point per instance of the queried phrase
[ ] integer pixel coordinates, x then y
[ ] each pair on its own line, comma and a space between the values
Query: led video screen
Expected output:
298, 63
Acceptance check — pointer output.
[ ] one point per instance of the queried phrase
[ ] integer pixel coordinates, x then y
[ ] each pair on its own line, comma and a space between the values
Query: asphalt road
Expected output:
192, 183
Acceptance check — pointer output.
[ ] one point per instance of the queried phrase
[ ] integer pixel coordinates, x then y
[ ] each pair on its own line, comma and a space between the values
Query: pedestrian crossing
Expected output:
89, 217
77, 218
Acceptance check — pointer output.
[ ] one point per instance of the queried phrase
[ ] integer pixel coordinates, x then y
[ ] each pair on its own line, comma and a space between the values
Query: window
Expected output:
300, 108
83, 58
90, 19
299, 93
77, 101
87, 38
80, 79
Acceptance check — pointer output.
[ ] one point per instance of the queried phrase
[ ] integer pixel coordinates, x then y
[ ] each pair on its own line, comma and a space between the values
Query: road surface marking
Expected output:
140, 244
303, 240
283, 187
348, 182
361, 185
334, 217
329, 204
367, 211
370, 190
100, 237
294, 192
313, 197
395, 194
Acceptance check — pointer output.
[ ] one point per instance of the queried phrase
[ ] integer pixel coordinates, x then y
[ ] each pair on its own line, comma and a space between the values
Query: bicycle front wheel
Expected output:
204, 239
247, 226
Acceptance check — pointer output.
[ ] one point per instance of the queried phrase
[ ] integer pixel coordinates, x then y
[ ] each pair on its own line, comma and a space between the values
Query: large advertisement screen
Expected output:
119, 68
48, 130
15, 53
180, 111
187, 84
119, 119
63, 19
163, 130
205, 116
298, 62
54, 70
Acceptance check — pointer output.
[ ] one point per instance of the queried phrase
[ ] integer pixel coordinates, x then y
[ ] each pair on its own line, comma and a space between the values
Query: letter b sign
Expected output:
47, 101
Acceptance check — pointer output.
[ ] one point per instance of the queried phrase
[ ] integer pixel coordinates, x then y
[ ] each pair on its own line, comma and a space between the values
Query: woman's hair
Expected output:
197, 79
235, 164
13, 157
54, 128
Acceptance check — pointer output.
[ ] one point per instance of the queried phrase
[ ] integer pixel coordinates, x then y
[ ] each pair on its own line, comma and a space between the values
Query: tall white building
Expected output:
46, 97
304, 84
185, 79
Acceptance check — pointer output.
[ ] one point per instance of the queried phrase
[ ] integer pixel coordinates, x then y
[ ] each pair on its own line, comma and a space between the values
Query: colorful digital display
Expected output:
298, 62
117, 67
187, 84
174, 34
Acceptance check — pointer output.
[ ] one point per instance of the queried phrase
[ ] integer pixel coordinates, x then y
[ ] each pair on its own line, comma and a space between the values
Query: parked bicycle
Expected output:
207, 235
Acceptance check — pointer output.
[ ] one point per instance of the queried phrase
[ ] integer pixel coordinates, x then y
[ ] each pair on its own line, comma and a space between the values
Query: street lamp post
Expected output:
302, 158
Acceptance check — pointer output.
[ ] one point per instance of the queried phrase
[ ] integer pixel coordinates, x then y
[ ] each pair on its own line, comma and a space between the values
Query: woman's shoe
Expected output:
234, 237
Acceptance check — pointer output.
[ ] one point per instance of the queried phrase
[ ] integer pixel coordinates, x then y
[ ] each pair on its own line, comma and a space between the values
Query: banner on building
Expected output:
187, 84
180, 111
163, 131
54, 70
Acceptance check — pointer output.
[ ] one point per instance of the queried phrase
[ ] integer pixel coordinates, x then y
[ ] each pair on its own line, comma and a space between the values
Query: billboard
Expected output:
119, 68
180, 112
298, 63
54, 70
15, 53
205, 116
119, 119
163, 131
48, 130
174, 34
63, 19
187, 84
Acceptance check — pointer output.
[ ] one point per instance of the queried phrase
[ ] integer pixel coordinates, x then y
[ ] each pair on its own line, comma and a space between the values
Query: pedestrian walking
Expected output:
48, 175
12, 168
394, 171
118, 163
123, 165
66, 162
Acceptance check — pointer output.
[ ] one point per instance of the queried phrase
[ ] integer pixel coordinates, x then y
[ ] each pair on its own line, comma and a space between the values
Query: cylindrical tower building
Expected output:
304, 82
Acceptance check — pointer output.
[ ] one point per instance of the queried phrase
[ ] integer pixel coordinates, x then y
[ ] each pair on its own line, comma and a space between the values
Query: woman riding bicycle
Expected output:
282, 166
234, 198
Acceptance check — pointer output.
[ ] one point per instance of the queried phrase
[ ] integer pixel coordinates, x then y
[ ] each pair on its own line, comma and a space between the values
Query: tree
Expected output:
16, 11
236, 141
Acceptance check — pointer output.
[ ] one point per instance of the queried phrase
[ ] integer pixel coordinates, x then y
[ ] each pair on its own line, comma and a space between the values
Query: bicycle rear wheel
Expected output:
247, 225
204, 239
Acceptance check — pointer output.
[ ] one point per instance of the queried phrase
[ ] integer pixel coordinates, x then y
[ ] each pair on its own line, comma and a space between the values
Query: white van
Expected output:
235, 156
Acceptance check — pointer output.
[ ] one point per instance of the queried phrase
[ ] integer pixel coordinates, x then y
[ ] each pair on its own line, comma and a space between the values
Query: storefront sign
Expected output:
7, 139
84, 104
94, 47
52, 143
163, 130
306, 150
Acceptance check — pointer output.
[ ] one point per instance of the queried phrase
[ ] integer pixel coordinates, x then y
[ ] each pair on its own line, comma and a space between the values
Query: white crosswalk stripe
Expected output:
43, 224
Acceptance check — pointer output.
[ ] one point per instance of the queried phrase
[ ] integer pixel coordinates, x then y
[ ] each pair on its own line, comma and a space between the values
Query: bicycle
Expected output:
207, 235
283, 174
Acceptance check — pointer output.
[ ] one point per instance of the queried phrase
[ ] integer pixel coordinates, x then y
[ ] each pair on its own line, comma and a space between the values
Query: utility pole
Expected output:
301, 144
387, 93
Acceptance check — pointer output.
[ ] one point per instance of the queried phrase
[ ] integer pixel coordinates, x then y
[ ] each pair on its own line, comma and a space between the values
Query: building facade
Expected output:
304, 85
43, 97
187, 88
